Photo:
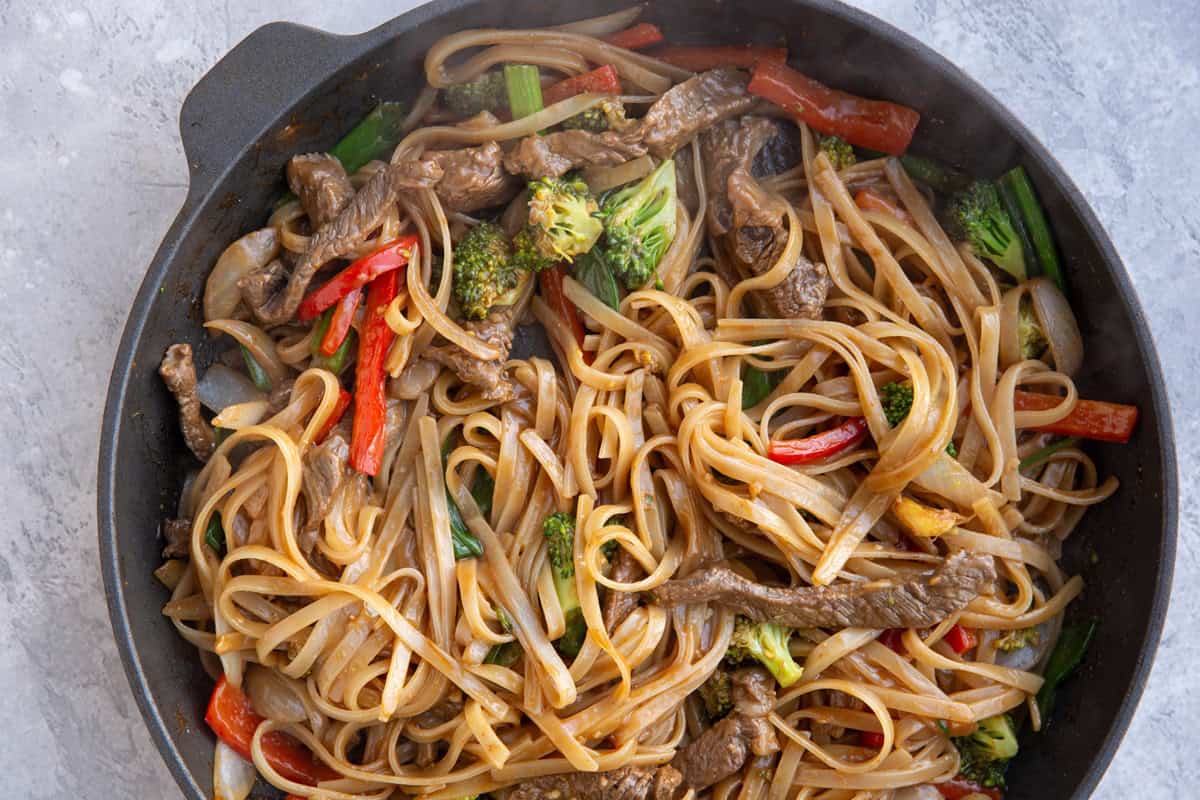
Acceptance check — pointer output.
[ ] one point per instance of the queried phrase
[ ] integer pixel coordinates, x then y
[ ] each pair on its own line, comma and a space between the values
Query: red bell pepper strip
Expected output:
604, 80
873, 124
391, 256
959, 787
871, 200
335, 416
818, 446
960, 639
339, 323
1090, 419
871, 739
233, 719
699, 58
551, 283
893, 639
641, 35
370, 406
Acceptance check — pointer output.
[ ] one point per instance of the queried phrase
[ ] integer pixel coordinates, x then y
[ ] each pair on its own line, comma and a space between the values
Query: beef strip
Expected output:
348, 230
619, 605
724, 748
555, 154
260, 286
625, 783
916, 602
497, 331
725, 147
321, 183
280, 396
178, 535
696, 104
179, 373
473, 178
322, 474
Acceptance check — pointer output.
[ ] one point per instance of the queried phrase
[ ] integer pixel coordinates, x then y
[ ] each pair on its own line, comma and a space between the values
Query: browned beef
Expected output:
801, 295
179, 373
696, 104
555, 154
626, 783
724, 748
263, 284
726, 147
348, 230
497, 331
280, 395
473, 178
178, 535
619, 605
323, 472
321, 183
917, 602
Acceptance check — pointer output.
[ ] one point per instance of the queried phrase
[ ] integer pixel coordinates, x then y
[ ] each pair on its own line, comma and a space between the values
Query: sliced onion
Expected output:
601, 179
414, 380
241, 415
274, 696
1027, 658
233, 776
1054, 316
923, 791
221, 387
171, 573
602, 26
951, 480
249, 253
256, 340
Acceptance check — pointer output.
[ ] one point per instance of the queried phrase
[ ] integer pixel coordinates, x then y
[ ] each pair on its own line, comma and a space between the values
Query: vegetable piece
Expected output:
233, 776
335, 416
483, 490
607, 115
1015, 640
897, 400
636, 37
977, 217
1016, 181
766, 643
960, 639
526, 255
562, 218
259, 376
488, 92
1064, 659
233, 719
220, 387
875, 124
818, 446
370, 406
986, 752
871, 739
602, 80
464, 542
505, 654
523, 83
485, 274
921, 520
960, 788
935, 174
341, 316
717, 694
551, 283
1013, 208
871, 200
214, 534
639, 225
389, 257
1090, 419
757, 384
699, 58
840, 152
1037, 457
222, 295
593, 271
1030, 337
893, 639
559, 530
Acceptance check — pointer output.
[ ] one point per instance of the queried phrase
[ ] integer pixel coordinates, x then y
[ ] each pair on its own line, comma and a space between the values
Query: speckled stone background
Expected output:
91, 174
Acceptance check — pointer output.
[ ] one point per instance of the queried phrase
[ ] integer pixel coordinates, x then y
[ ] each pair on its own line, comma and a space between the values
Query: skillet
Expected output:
288, 89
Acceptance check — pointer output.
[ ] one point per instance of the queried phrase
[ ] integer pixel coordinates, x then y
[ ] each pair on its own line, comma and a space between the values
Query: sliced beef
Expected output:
321, 183
696, 104
280, 396
724, 748
260, 286
619, 605
178, 371
323, 471
178, 535
725, 147
626, 783
917, 602
497, 331
555, 154
348, 230
802, 294
473, 177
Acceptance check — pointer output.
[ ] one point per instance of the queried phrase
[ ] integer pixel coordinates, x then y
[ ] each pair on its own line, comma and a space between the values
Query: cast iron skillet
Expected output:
288, 89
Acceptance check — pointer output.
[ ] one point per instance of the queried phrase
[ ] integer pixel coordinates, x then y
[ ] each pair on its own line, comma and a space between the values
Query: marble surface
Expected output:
91, 174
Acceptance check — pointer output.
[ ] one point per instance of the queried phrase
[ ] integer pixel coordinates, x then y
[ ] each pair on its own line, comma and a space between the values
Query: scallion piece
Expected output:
214, 534
1035, 458
1016, 181
262, 381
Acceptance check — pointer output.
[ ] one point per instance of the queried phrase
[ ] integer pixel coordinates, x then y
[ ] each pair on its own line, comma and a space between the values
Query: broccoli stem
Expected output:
524, 84
1016, 180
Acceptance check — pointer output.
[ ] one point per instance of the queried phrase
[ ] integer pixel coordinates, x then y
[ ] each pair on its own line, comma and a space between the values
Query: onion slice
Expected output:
249, 253
601, 179
256, 340
221, 387
273, 696
233, 776
1053, 315
241, 415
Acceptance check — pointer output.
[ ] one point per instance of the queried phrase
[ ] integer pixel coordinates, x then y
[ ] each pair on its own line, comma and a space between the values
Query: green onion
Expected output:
757, 384
261, 379
214, 534
1035, 458
593, 271
461, 539
524, 84
336, 362
482, 489
1017, 181
504, 655
1072, 644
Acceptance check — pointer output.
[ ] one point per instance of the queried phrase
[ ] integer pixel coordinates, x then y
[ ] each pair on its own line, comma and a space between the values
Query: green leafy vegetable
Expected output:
1066, 656
214, 534
593, 271
465, 544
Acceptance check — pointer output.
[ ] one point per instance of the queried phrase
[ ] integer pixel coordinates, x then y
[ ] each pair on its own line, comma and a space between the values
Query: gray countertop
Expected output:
91, 174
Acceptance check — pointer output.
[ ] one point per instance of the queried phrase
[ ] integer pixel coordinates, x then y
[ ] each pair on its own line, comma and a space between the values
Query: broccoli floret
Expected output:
978, 217
485, 273
1015, 640
766, 643
559, 530
986, 752
717, 694
1029, 332
562, 218
526, 256
639, 224
897, 399
488, 92
609, 115
840, 152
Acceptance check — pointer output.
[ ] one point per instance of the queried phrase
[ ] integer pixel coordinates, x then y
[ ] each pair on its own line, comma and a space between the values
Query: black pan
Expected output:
288, 89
